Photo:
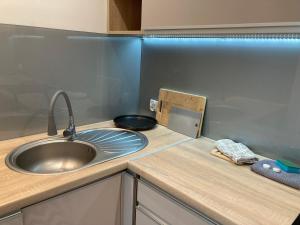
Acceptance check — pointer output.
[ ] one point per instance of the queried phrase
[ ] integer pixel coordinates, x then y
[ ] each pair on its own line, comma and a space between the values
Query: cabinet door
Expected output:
14, 219
167, 209
95, 204
158, 14
90, 16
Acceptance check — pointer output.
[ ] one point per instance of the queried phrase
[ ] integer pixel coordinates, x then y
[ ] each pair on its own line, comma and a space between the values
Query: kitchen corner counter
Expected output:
183, 167
229, 194
19, 190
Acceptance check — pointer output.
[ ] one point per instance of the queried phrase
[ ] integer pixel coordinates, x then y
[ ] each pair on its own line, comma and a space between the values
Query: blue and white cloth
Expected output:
237, 152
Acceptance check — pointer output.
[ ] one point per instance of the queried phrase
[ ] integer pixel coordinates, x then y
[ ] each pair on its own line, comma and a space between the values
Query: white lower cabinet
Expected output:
111, 201
94, 204
155, 207
13, 219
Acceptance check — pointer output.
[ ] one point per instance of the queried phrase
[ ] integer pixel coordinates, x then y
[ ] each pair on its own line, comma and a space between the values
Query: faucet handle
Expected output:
70, 132
67, 133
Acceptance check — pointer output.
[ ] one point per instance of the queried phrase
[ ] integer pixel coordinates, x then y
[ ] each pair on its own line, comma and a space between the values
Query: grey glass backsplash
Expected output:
100, 74
252, 86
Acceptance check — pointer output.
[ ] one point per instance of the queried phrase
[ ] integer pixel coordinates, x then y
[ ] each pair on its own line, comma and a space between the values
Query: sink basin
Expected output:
51, 156
89, 147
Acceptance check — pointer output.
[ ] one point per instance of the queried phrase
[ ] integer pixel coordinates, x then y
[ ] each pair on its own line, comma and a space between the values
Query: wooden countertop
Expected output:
18, 190
227, 193
177, 164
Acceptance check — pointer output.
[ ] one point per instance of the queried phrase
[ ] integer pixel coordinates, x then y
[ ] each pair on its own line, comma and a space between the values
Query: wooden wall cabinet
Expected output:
124, 17
189, 14
97, 16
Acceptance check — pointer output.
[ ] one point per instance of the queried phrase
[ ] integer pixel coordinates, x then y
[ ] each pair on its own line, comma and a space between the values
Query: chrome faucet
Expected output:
70, 132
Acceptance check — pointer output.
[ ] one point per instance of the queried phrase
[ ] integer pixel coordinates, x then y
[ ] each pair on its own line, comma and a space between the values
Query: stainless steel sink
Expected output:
76, 150
51, 156
90, 147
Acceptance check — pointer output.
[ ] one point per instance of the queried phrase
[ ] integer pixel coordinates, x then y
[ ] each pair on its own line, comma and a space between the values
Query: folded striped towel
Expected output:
237, 152
290, 179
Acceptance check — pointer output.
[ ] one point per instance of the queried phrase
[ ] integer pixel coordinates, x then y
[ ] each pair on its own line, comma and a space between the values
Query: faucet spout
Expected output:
70, 131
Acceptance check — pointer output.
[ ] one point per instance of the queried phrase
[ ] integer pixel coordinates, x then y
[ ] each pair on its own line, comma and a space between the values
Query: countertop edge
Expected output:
182, 197
61, 189
116, 166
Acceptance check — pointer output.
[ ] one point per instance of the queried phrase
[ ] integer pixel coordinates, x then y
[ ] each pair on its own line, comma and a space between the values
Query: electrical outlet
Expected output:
153, 105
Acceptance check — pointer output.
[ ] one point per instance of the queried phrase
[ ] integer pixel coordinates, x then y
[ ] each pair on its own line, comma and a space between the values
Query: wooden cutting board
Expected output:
169, 98
217, 153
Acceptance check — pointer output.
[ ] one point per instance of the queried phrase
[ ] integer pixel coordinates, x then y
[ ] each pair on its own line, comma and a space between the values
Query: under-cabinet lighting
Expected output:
245, 41
276, 36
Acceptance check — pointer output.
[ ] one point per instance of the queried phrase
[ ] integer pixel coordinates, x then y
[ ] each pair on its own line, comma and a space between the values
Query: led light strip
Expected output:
229, 35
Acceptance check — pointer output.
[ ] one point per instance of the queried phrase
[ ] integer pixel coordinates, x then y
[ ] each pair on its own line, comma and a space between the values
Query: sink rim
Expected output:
10, 159
101, 155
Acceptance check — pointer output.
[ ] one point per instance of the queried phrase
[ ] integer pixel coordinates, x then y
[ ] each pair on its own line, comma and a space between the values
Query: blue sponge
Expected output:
288, 166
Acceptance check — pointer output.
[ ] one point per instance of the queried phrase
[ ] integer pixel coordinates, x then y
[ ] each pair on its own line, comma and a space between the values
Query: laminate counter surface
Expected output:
179, 165
19, 190
229, 194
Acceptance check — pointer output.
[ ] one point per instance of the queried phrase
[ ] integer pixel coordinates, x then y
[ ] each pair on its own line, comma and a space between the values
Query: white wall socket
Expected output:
153, 105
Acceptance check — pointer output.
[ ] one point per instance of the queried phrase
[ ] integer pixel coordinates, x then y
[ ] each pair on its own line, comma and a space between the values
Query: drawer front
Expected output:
14, 219
142, 219
149, 216
168, 209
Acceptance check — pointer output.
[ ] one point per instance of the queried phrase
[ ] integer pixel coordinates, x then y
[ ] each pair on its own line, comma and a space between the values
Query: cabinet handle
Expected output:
151, 215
